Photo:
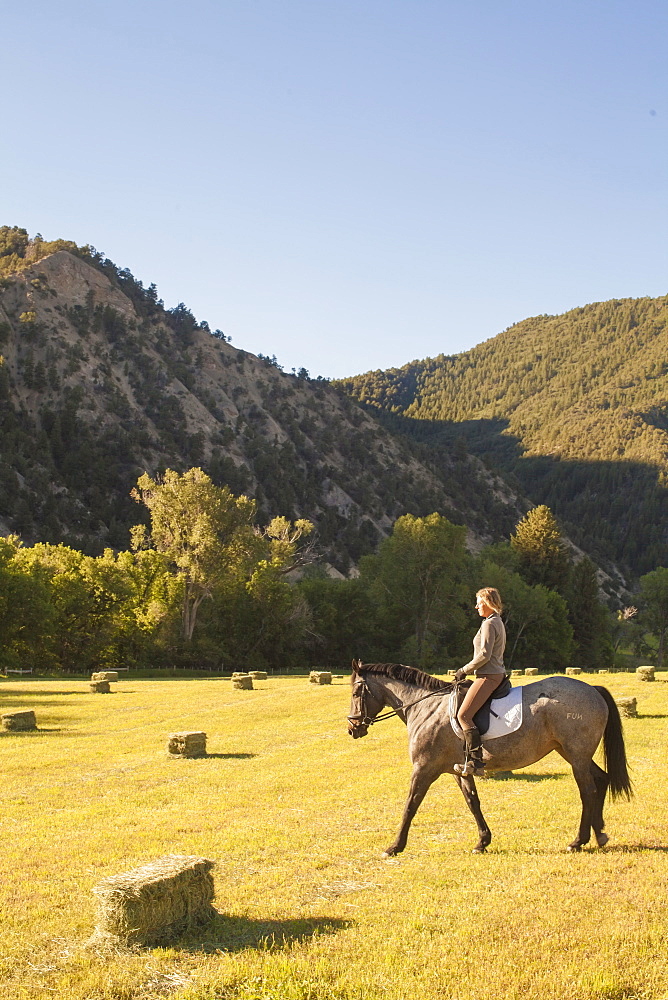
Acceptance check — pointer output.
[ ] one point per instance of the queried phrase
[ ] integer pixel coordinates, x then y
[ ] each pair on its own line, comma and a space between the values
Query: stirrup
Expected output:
471, 766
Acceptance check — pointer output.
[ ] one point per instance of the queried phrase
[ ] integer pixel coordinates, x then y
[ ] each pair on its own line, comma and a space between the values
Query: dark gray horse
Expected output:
559, 713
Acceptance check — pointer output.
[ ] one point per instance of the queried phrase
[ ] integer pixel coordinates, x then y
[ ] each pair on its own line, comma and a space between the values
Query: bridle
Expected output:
361, 688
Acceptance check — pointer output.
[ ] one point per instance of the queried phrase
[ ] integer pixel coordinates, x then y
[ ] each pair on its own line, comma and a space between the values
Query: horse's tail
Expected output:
614, 751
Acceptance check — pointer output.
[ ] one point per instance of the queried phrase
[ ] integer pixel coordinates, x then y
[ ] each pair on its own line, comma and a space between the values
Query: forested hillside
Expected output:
100, 383
573, 408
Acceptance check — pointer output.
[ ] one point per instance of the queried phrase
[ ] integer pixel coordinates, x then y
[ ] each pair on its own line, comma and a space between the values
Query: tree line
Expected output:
205, 587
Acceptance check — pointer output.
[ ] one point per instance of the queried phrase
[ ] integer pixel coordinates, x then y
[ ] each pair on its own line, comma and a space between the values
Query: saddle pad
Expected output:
505, 716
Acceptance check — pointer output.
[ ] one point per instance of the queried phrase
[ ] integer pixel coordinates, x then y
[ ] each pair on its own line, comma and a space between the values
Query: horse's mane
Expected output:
401, 672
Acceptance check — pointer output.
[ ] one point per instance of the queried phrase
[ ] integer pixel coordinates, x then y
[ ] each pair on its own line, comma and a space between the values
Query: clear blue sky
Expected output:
347, 184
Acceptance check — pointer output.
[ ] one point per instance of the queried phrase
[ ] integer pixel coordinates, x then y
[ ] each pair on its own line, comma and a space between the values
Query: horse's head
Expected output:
364, 704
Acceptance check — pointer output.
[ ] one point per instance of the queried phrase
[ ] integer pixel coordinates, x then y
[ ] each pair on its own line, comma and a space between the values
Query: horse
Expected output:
559, 713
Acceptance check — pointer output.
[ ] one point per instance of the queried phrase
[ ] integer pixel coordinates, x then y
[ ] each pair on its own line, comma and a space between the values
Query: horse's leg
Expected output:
584, 776
421, 780
470, 793
601, 781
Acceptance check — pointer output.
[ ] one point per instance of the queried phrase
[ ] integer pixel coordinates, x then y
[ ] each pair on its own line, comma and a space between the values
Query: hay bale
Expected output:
628, 707
320, 677
99, 687
516, 673
531, 671
19, 722
104, 675
242, 682
570, 671
258, 675
604, 670
188, 744
240, 673
156, 903
645, 673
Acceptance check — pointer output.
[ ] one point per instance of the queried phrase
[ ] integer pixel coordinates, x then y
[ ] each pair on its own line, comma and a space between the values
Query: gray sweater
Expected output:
488, 646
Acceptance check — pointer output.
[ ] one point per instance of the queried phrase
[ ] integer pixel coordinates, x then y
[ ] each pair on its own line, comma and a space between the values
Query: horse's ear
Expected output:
356, 665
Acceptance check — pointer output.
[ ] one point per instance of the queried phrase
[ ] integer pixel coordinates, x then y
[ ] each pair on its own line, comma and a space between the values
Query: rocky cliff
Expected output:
100, 383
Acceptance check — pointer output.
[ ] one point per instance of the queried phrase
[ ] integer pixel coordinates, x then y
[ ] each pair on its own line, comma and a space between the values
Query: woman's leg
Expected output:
475, 698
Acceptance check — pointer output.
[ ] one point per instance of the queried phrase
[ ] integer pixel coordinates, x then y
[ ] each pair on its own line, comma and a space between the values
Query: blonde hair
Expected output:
492, 598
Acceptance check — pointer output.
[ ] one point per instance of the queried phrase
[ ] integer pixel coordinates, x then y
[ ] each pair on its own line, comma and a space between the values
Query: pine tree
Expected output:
543, 557
588, 617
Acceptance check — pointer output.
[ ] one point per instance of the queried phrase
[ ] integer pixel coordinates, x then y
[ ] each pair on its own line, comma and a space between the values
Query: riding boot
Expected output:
473, 762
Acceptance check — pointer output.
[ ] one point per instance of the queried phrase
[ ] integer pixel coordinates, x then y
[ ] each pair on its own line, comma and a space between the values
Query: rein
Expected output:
366, 721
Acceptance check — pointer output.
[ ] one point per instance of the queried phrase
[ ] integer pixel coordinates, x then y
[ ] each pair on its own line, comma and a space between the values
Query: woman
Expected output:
488, 670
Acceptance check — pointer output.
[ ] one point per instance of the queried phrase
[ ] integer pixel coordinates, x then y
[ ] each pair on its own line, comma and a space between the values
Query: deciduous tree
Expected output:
653, 601
538, 631
205, 532
419, 580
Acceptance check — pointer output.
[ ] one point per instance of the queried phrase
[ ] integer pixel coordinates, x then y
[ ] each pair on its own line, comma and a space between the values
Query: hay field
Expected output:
296, 814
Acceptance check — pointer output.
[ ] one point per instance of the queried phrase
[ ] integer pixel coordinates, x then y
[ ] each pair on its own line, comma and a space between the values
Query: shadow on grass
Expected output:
52, 697
229, 756
230, 933
30, 732
635, 848
512, 776
642, 715
38, 695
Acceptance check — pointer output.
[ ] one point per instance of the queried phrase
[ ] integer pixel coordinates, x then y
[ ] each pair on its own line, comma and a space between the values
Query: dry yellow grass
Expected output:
296, 815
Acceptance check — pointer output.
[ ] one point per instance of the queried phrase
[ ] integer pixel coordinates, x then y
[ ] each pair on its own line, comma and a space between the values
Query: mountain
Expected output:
100, 383
572, 409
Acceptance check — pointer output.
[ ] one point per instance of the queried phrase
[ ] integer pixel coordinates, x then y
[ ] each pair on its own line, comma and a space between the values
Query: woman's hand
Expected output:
460, 675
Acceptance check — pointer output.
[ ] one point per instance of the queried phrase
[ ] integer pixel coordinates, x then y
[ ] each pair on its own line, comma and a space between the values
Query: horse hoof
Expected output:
574, 848
479, 850
602, 839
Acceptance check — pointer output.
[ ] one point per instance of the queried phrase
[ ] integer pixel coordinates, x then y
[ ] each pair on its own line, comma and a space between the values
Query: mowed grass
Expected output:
296, 815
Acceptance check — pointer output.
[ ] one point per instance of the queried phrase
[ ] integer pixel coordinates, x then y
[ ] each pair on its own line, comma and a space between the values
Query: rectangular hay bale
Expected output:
99, 687
320, 677
187, 744
628, 707
155, 903
571, 671
104, 675
258, 675
21, 721
531, 671
244, 682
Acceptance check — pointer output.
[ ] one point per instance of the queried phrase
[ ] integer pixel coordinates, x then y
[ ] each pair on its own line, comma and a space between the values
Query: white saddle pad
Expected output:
505, 716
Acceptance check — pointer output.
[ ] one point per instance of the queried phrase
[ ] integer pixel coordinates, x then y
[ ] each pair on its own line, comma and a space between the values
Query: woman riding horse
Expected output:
487, 666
